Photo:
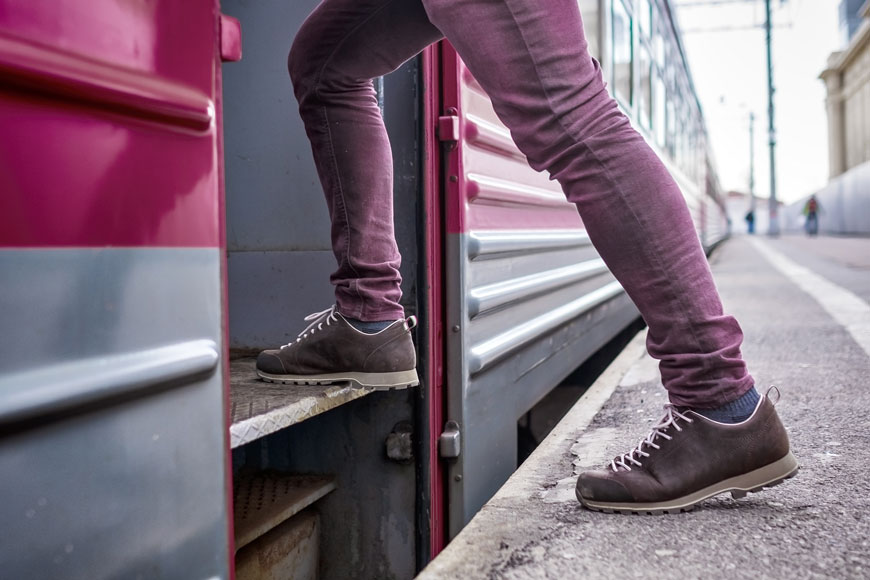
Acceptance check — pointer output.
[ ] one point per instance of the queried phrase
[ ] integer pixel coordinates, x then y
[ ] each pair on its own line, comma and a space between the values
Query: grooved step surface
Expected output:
266, 500
260, 408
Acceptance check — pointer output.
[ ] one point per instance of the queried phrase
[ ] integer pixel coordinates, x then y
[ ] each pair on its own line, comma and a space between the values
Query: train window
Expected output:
622, 53
690, 144
690, 151
687, 150
645, 93
644, 19
688, 128
659, 40
659, 107
589, 12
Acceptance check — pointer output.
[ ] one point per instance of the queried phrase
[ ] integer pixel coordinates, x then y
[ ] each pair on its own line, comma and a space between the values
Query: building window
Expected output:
622, 53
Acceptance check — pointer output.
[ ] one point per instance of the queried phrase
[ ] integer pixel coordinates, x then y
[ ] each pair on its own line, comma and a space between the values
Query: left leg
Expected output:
340, 48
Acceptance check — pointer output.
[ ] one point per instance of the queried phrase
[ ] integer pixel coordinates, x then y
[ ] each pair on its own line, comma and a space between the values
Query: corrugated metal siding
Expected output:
529, 298
716, 224
519, 282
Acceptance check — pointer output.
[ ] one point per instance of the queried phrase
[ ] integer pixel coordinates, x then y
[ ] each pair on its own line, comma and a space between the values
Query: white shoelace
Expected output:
318, 319
670, 420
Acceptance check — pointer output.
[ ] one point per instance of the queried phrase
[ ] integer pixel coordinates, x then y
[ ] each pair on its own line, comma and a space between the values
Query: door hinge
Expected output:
450, 442
231, 39
448, 127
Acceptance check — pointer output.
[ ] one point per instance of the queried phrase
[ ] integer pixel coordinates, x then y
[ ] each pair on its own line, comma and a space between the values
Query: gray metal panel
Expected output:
558, 306
274, 200
271, 292
129, 481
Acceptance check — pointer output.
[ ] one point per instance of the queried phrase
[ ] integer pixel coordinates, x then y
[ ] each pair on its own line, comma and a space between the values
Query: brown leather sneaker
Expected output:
688, 458
330, 350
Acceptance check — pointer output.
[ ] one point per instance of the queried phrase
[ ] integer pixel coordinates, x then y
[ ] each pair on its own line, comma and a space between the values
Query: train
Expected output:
161, 221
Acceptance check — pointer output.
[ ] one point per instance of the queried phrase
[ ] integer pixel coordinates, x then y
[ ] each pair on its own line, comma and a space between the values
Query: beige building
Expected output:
847, 78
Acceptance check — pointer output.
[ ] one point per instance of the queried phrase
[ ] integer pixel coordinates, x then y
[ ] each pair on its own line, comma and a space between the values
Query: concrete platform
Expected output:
803, 307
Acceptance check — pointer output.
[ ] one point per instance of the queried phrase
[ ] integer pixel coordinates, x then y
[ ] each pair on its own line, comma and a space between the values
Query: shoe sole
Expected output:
740, 485
377, 381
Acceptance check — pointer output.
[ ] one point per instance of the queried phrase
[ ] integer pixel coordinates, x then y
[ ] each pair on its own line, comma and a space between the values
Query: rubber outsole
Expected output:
376, 381
739, 486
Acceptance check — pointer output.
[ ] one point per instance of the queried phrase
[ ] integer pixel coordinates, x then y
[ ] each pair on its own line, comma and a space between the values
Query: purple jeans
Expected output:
532, 59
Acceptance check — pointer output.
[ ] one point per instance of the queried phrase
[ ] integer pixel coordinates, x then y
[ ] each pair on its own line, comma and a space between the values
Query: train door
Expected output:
112, 418
363, 458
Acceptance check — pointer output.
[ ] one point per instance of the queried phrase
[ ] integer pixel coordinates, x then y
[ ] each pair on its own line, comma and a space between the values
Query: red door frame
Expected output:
433, 234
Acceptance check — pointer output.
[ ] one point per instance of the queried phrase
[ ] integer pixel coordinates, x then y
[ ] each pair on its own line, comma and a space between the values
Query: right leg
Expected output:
340, 48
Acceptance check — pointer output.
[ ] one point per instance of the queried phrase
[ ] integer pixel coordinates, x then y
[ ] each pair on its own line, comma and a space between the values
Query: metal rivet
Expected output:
453, 179
456, 328
457, 477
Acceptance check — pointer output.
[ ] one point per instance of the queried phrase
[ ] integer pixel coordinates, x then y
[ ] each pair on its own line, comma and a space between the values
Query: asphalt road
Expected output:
816, 525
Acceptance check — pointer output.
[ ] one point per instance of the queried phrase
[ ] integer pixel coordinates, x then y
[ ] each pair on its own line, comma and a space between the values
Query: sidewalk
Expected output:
816, 525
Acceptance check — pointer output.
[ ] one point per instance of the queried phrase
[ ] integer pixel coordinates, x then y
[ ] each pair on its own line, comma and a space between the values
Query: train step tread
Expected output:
259, 408
265, 500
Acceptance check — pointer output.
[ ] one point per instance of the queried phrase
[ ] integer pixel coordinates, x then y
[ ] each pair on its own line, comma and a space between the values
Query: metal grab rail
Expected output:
62, 387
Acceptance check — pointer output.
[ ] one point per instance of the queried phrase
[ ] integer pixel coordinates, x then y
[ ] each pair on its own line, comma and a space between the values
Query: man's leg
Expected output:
531, 58
340, 48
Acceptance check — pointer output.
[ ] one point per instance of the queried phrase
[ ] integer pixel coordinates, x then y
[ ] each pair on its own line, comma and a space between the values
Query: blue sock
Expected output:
369, 327
735, 411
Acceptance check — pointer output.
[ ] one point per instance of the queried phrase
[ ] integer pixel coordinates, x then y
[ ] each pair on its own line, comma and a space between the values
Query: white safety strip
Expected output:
848, 309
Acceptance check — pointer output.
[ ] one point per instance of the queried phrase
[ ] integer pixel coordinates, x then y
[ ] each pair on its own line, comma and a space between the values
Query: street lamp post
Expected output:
752, 161
773, 229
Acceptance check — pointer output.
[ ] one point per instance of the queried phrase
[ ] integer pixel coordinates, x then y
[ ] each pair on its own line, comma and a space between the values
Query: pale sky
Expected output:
730, 73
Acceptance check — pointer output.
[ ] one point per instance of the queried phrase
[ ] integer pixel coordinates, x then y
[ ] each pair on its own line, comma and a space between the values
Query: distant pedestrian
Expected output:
811, 211
750, 221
